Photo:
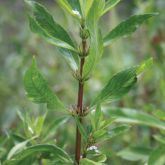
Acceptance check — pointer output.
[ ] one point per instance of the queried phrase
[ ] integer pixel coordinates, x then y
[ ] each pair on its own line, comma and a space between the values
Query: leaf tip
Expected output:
144, 65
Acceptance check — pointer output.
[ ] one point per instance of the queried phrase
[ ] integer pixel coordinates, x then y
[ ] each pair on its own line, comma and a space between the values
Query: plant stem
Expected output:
40, 161
80, 102
79, 109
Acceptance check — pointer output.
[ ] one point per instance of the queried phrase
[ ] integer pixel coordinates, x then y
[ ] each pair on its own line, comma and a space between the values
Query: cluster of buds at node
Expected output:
78, 77
84, 33
74, 111
85, 111
91, 140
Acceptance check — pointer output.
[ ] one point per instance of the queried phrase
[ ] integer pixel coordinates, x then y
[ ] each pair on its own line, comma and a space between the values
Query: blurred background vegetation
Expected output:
18, 45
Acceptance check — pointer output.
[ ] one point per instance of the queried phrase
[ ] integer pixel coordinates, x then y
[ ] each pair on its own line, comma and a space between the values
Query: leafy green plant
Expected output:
149, 155
93, 126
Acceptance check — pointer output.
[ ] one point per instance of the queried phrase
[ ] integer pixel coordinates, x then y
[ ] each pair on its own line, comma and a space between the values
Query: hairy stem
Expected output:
80, 101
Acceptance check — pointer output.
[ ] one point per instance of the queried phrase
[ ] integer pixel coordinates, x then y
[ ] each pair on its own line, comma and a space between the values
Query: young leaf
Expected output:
144, 65
85, 6
57, 152
39, 124
71, 6
96, 41
121, 83
135, 117
38, 90
43, 24
126, 27
109, 5
157, 157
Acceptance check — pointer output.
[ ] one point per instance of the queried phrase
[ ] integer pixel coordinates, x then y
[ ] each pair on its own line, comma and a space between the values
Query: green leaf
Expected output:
86, 161
18, 147
96, 41
85, 6
39, 124
159, 138
120, 84
81, 128
135, 153
126, 27
37, 89
109, 5
99, 158
44, 20
71, 6
118, 130
96, 156
43, 24
99, 134
159, 114
126, 115
52, 127
71, 57
57, 152
144, 65
157, 157
98, 116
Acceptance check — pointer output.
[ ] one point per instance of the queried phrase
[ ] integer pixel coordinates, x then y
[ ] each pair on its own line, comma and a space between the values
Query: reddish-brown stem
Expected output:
80, 103
79, 111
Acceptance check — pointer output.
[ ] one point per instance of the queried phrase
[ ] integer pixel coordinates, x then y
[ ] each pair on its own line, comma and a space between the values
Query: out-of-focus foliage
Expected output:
17, 47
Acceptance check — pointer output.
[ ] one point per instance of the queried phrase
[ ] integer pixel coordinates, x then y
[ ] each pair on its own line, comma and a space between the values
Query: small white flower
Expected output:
76, 12
93, 148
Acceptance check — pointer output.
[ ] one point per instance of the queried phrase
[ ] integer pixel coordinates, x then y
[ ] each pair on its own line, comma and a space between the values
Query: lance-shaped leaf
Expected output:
18, 148
55, 151
135, 153
96, 42
109, 5
50, 27
157, 156
117, 86
126, 27
71, 6
125, 115
69, 55
120, 84
44, 25
119, 130
37, 89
